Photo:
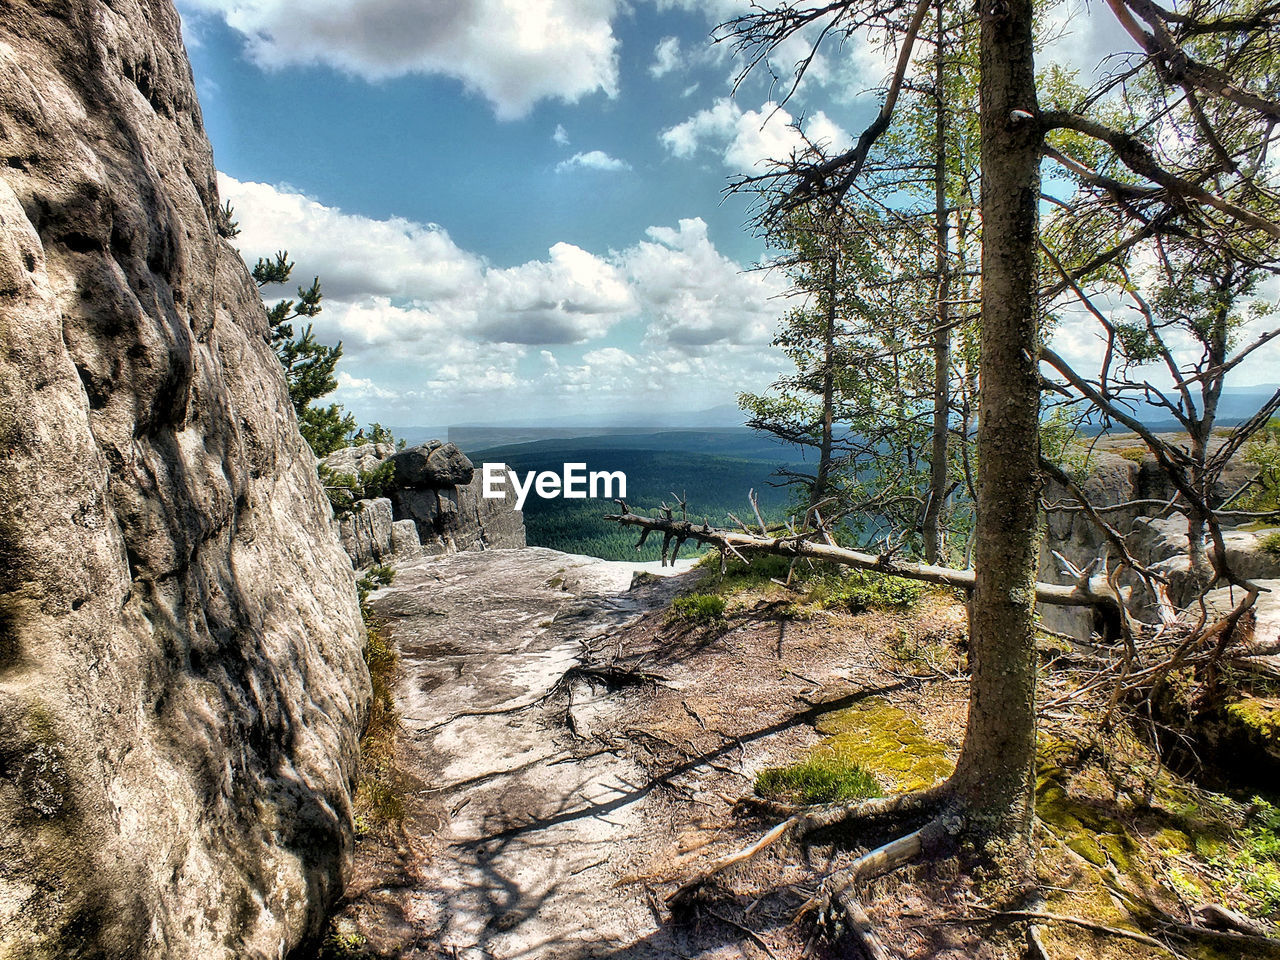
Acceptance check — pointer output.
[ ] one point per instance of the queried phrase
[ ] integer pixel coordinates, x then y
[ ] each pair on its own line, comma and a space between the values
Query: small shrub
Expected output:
1254, 869
823, 777
1270, 543
699, 607
1134, 454
861, 590
379, 575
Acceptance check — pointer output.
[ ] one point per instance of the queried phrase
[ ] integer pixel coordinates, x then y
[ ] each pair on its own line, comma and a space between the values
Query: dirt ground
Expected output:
571, 753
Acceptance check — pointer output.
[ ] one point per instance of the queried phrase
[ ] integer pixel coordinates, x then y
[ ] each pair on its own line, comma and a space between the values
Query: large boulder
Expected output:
181, 684
362, 458
432, 466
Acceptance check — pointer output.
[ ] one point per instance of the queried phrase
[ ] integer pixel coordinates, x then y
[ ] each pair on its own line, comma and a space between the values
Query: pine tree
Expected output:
308, 364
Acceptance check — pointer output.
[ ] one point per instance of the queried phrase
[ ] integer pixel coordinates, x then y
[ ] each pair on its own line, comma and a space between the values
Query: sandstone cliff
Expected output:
434, 505
181, 688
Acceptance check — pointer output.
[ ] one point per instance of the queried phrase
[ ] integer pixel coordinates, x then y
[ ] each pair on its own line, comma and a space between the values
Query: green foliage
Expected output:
1133, 454
1058, 434
380, 797
699, 607
822, 777
1254, 867
308, 364
377, 433
228, 227
1271, 543
1263, 452
377, 576
859, 590
345, 489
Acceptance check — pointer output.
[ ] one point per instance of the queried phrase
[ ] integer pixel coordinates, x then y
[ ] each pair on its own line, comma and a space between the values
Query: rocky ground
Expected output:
570, 752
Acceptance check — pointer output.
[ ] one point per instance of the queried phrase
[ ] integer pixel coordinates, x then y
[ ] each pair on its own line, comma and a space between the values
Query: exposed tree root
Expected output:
838, 895
804, 821
1074, 921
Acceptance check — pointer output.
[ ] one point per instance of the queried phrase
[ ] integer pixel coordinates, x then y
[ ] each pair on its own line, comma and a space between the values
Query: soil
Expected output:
570, 752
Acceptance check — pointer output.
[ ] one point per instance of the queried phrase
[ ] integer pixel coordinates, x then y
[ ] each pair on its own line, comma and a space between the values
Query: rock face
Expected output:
1159, 542
181, 685
436, 489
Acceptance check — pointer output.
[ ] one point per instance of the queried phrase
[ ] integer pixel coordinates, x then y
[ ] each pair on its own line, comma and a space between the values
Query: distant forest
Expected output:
713, 485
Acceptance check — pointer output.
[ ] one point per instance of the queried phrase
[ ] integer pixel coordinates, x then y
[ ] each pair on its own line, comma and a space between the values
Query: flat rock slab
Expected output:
511, 846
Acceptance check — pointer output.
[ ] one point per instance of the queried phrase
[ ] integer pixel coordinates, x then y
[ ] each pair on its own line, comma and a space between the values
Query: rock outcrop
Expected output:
181, 684
1159, 542
434, 505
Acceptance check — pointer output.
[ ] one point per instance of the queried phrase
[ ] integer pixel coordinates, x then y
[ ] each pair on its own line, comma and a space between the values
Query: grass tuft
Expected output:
699, 607
822, 777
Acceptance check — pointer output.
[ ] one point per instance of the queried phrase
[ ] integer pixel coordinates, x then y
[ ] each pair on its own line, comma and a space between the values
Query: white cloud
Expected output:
512, 52
666, 56
399, 282
1083, 40
431, 331
694, 295
749, 139
592, 160
572, 297
561, 136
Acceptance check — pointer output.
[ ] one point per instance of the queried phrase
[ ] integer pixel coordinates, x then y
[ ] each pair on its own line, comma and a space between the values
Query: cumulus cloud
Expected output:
561, 136
512, 52
748, 140
396, 281
592, 160
421, 318
572, 297
694, 295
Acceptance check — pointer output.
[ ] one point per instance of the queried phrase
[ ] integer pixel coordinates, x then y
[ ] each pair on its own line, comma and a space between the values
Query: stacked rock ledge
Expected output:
435, 505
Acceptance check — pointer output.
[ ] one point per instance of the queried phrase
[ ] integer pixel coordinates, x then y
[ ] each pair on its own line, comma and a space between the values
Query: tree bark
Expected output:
933, 514
994, 776
822, 480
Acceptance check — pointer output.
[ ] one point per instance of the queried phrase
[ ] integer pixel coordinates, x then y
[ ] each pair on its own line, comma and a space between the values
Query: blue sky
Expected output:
515, 206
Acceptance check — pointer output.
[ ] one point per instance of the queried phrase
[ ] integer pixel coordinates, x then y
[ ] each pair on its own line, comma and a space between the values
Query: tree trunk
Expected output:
823, 479
994, 777
933, 514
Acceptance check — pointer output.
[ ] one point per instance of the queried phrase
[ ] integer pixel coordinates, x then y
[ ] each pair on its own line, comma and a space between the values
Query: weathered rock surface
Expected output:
366, 532
360, 458
528, 864
433, 465
181, 687
1157, 541
435, 488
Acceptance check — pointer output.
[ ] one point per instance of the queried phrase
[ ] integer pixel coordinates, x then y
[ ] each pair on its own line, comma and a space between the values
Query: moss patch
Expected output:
888, 743
1260, 717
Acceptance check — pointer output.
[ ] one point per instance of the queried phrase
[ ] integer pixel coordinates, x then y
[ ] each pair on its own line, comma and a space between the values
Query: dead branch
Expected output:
1094, 591
808, 820
838, 895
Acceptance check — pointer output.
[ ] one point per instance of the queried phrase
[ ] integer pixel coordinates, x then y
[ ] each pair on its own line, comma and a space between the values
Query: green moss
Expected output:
1081, 825
1170, 840
822, 777
1260, 717
888, 743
